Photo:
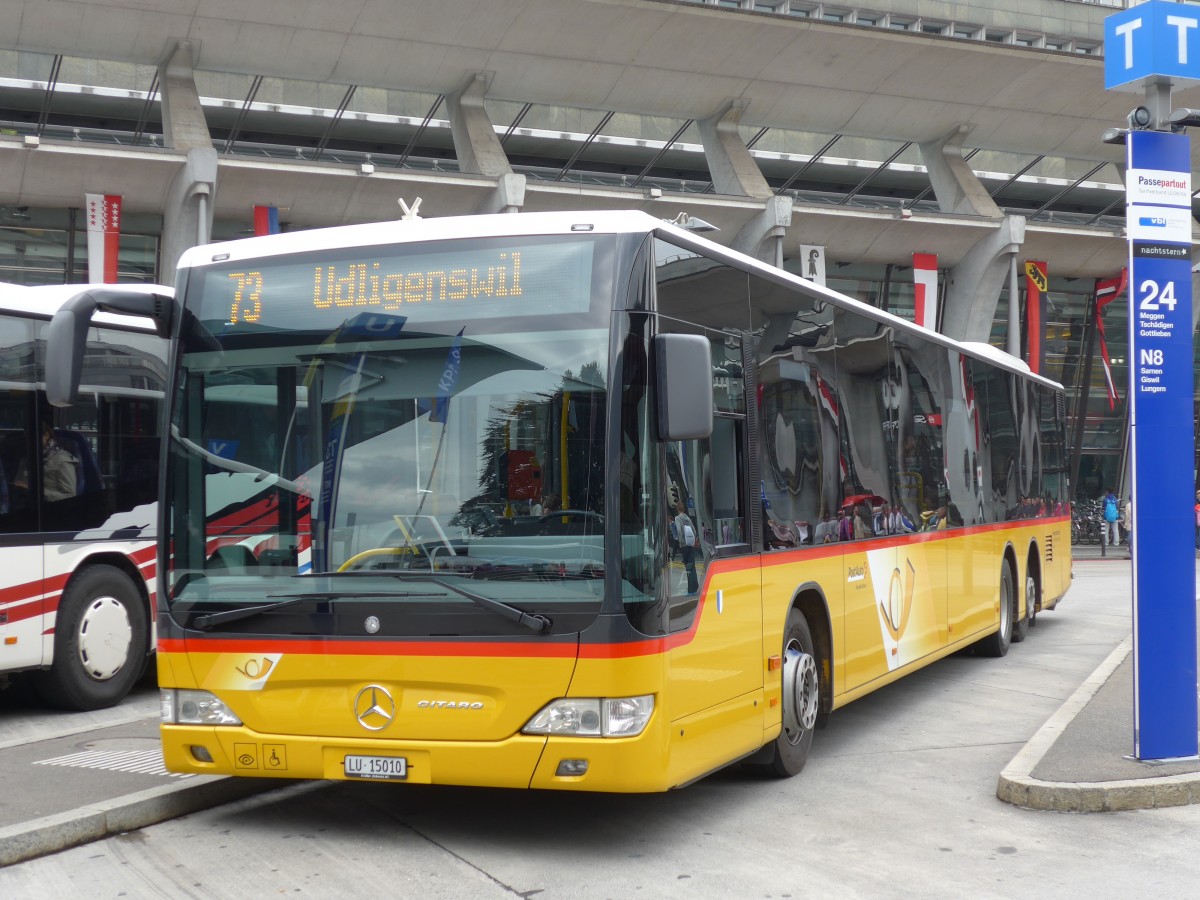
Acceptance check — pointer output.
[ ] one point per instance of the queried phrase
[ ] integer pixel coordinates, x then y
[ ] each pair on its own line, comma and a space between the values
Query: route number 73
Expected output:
1155, 299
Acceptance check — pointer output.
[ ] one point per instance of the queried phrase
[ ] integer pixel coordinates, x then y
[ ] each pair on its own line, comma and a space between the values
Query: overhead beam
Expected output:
730, 164
956, 187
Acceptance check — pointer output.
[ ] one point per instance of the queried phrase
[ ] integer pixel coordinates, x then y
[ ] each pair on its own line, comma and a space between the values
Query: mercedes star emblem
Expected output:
374, 708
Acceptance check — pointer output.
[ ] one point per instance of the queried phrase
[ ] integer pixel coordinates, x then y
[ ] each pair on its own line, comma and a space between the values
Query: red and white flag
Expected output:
104, 236
925, 284
1107, 290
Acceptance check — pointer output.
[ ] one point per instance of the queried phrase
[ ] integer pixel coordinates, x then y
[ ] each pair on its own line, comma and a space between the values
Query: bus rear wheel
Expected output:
100, 641
801, 700
997, 644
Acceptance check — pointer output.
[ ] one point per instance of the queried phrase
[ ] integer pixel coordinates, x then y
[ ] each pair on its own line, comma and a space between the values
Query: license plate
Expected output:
384, 768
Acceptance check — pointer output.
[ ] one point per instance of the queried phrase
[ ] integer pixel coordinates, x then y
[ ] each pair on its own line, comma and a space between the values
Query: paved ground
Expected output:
1082, 758
70, 780
73, 778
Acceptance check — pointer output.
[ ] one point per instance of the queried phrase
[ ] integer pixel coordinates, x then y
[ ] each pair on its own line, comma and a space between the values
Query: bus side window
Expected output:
17, 509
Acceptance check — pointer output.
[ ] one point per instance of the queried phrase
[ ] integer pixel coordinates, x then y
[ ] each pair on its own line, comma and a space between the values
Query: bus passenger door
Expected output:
715, 600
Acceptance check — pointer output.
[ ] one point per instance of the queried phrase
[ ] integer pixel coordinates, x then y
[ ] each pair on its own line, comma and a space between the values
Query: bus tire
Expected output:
997, 644
1031, 599
1020, 628
801, 700
100, 641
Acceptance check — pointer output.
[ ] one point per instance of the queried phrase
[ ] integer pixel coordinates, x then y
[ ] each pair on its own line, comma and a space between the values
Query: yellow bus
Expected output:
577, 501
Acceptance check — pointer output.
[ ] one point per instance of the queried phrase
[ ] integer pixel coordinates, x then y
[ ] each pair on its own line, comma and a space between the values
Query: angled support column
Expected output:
974, 285
475, 142
184, 125
730, 164
507, 197
762, 237
187, 215
954, 184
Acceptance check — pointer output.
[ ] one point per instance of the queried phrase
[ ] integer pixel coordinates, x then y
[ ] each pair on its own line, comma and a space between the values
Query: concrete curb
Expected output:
99, 820
1018, 787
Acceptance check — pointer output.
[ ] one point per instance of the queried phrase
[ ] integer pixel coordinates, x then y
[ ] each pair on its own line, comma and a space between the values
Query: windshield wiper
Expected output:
207, 620
533, 621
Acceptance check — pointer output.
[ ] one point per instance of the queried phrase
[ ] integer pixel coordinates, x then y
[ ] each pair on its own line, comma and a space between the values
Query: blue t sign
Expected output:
1158, 196
1152, 39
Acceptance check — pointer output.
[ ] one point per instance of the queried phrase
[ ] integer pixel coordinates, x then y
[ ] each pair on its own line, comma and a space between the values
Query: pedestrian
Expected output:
1112, 517
826, 530
687, 546
845, 529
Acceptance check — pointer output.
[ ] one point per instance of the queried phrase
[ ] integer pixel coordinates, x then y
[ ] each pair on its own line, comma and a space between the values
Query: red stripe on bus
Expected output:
647, 646
559, 649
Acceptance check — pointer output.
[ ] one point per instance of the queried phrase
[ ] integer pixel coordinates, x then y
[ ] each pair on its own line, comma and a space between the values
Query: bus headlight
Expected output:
593, 717
194, 708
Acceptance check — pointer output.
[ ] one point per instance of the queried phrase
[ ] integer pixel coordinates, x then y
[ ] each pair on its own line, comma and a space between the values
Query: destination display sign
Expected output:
472, 280
1158, 220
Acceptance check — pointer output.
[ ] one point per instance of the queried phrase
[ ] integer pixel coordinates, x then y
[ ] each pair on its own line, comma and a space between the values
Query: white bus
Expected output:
78, 510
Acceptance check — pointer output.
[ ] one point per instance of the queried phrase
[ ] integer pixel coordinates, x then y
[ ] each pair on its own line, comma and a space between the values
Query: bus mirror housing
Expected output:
683, 363
66, 337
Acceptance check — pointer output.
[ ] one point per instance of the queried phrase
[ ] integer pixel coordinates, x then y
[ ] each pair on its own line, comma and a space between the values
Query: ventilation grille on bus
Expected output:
1048, 543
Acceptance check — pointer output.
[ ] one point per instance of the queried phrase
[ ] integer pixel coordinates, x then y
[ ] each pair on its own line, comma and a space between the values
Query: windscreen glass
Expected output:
399, 440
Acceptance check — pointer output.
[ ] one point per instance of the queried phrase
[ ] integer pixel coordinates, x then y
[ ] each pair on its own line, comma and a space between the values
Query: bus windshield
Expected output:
445, 472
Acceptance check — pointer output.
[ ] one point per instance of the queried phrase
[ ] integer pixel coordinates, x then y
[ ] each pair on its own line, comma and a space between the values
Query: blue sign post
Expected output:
1146, 45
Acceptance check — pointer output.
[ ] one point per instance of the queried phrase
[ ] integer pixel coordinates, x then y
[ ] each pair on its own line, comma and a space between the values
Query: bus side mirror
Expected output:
683, 363
66, 336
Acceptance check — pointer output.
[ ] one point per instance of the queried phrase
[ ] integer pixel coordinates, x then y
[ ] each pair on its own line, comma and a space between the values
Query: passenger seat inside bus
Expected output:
88, 469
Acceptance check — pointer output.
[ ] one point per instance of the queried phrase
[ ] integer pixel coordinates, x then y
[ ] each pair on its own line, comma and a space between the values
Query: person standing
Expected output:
1112, 518
687, 546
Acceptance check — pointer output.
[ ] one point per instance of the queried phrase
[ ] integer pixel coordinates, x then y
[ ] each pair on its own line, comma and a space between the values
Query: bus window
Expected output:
798, 411
867, 390
109, 434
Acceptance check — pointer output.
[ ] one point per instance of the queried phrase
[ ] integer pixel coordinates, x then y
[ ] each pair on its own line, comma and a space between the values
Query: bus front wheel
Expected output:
100, 641
801, 700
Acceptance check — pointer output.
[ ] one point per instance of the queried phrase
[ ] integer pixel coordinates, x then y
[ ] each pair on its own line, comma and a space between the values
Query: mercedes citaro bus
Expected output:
447, 551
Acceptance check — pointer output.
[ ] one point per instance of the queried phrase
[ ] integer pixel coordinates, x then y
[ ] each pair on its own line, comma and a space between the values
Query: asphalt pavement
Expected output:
71, 779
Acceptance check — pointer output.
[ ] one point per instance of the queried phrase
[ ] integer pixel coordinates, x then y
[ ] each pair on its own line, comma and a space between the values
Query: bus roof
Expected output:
628, 221
45, 300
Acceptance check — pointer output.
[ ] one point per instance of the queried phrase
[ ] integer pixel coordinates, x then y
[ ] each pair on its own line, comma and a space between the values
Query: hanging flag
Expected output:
266, 220
1107, 290
925, 299
1036, 287
103, 236
449, 377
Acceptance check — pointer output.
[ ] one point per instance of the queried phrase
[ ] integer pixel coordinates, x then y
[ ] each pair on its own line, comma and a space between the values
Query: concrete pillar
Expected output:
973, 286
762, 237
954, 184
187, 215
730, 164
475, 142
508, 196
187, 218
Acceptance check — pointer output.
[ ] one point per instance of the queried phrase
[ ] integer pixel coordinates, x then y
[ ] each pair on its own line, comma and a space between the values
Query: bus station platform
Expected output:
1081, 759
100, 775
